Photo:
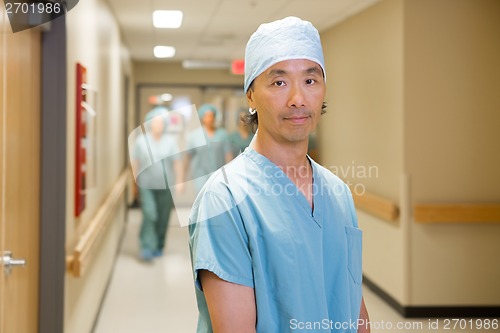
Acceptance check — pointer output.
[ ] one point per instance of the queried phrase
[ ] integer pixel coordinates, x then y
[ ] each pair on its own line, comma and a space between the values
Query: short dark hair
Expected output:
252, 120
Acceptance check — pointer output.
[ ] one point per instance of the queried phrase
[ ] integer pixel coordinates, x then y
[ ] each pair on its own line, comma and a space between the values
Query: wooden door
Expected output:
19, 175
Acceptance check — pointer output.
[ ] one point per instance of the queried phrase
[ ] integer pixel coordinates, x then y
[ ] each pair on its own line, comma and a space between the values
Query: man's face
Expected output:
157, 125
208, 120
288, 97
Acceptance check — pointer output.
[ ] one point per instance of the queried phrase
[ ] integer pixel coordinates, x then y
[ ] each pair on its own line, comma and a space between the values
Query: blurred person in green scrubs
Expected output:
241, 138
156, 162
205, 158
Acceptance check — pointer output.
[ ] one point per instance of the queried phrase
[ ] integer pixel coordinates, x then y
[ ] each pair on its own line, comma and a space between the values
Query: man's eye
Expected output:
310, 81
279, 83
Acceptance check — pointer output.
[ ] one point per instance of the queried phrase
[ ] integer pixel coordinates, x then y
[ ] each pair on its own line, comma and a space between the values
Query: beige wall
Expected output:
93, 39
413, 89
364, 125
452, 144
364, 60
173, 73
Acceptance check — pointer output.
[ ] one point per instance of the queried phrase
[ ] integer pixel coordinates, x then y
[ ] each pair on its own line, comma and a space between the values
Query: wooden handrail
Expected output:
84, 253
373, 204
457, 212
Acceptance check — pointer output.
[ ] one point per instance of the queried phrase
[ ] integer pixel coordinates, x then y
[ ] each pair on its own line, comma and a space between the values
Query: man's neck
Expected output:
292, 159
157, 136
284, 155
210, 131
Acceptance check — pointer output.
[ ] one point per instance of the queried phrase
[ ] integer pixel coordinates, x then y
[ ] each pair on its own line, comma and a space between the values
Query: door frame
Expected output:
53, 178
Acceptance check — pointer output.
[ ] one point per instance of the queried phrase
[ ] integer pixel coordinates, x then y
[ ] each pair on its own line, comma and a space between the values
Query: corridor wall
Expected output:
93, 39
412, 90
363, 126
452, 145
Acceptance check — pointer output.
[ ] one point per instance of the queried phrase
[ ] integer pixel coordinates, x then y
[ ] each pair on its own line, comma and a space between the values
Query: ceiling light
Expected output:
167, 19
164, 51
166, 97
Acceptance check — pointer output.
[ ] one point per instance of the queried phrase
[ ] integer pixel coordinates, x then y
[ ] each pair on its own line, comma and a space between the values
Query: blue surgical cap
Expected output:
156, 111
207, 107
286, 39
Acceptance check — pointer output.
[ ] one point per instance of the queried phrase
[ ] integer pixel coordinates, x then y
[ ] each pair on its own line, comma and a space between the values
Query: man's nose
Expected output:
296, 97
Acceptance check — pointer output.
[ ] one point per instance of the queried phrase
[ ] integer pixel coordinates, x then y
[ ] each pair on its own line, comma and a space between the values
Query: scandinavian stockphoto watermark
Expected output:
453, 325
354, 174
28, 14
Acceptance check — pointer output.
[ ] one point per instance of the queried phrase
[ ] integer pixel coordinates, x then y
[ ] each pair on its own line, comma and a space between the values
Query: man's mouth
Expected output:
298, 119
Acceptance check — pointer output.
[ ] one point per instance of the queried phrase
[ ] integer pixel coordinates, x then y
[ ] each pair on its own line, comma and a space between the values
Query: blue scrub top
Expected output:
156, 158
252, 226
238, 143
207, 158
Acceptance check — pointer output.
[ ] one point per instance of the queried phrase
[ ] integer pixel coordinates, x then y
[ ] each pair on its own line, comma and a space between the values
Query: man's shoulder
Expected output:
139, 145
224, 190
229, 179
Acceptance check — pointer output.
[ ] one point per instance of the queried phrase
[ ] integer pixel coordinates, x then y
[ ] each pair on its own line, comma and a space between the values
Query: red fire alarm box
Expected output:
238, 67
80, 141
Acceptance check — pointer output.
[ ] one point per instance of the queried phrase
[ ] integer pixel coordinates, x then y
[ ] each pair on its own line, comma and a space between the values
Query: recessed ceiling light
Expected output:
164, 51
167, 19
166, 97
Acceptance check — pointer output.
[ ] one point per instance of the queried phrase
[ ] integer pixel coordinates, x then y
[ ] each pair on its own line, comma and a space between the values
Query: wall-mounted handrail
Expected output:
375, 205
457, 212
84, 251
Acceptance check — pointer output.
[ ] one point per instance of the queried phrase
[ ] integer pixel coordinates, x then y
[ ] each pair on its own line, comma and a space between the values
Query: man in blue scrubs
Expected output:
274, 238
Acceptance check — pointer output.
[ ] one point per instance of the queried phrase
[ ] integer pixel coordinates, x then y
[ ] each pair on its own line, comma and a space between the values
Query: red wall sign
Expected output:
238, 67
81, 135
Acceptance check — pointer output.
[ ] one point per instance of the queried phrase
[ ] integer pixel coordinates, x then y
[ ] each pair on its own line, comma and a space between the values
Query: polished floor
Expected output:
158, 297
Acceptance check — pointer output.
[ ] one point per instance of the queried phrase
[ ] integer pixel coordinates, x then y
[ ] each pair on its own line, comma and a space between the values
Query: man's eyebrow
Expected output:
314, 70
276, 72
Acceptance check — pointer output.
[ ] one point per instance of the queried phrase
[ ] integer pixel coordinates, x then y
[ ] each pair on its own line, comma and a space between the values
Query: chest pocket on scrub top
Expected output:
354, 247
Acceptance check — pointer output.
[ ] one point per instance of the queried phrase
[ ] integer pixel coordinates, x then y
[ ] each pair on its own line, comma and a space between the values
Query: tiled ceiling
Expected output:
217, 30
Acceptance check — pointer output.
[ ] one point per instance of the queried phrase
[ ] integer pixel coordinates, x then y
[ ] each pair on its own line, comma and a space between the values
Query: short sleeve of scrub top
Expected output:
222, 246
139, 147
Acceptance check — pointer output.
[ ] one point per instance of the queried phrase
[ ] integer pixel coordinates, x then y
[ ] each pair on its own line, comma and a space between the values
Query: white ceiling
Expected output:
218, 29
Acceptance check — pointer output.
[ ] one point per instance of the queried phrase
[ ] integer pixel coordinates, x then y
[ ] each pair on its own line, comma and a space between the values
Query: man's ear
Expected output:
250, 100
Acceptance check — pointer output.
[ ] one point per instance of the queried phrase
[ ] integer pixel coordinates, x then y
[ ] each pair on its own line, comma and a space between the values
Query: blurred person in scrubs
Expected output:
241, 138
203, 159
155, 162
274, 237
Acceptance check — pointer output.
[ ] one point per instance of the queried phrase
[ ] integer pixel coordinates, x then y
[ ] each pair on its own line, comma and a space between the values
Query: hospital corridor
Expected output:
244, 166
